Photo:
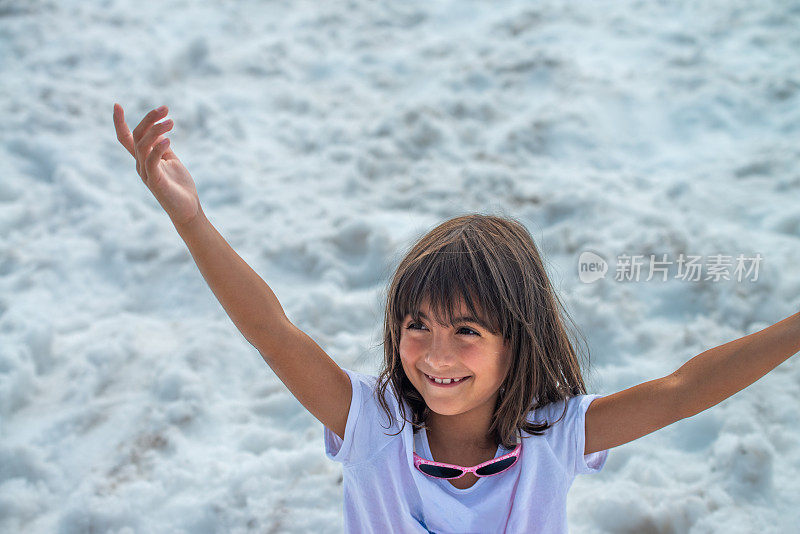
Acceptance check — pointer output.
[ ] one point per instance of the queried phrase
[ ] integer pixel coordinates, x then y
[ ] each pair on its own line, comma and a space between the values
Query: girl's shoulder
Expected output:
366, 391
358, 376
557, 411
566, 434
369, 428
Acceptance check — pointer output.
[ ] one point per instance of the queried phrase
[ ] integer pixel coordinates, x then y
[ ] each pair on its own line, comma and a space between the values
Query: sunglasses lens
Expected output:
437, 471
493, 469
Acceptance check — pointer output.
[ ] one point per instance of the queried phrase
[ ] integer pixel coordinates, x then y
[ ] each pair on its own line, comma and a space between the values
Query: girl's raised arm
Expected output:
714, 375
704, 381
310, 374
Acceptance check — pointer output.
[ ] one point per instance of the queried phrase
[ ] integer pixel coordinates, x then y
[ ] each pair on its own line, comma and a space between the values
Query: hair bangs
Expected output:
446, 278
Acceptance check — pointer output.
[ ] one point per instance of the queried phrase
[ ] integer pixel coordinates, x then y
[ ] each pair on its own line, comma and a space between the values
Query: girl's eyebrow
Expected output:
464, 319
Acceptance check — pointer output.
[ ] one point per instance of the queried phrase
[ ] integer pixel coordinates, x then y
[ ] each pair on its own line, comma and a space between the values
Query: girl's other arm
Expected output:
702, 382
310, 374
714, 375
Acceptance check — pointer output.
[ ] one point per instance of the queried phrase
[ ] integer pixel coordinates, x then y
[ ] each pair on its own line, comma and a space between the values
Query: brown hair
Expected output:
492, 264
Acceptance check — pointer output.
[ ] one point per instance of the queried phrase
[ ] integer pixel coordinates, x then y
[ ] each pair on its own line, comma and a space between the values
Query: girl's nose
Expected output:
440, 352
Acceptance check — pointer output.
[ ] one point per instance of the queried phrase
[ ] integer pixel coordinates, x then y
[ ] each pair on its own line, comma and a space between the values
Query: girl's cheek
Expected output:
408, 343
408, 353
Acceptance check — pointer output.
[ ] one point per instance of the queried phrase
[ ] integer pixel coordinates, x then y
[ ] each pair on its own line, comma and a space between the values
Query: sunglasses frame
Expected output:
418, 461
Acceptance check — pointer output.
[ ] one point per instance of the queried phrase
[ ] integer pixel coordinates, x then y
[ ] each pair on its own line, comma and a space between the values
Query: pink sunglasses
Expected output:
451, 471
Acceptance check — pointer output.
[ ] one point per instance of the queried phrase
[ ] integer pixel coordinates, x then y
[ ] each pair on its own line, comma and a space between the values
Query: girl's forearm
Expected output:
716, 374
246, 298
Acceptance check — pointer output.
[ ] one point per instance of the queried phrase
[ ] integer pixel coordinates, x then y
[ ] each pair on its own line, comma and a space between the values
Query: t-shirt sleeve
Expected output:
363, 434
568, 436
585, 464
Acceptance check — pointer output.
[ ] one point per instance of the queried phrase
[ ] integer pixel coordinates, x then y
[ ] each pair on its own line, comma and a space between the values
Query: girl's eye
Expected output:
470, 331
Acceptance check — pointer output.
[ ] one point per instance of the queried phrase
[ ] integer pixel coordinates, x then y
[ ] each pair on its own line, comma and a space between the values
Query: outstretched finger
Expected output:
154, 157
148, 121
153, 135
123, 132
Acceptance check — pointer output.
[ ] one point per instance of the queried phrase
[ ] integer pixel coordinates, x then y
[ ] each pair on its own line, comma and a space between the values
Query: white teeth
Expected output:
446, 380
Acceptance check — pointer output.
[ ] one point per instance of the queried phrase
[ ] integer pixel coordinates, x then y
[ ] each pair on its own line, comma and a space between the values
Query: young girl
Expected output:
477, 361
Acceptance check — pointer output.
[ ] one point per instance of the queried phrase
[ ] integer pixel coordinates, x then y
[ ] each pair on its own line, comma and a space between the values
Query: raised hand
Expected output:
160, 169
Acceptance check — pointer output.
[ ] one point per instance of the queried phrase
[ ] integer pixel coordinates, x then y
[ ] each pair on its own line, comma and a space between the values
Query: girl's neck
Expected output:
460, 432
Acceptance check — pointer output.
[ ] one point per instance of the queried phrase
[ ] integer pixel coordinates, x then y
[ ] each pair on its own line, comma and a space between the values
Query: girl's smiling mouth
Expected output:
447, 382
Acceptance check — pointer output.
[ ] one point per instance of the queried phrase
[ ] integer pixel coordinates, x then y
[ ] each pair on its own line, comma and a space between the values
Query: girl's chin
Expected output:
445, 404
438, 409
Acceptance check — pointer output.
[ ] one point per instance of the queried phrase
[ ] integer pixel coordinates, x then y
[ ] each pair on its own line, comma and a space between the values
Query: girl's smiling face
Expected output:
466, 350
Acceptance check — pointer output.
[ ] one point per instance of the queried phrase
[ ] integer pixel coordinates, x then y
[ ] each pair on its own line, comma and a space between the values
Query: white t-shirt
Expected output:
384, 492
